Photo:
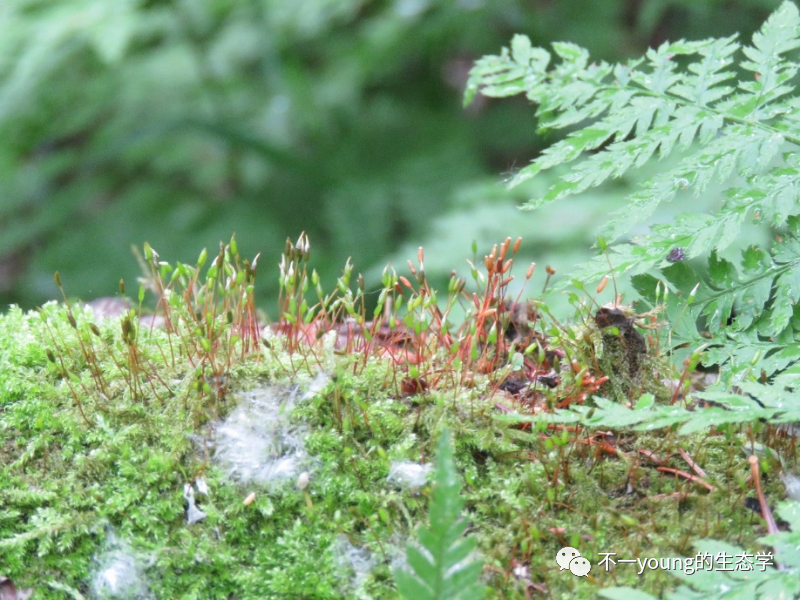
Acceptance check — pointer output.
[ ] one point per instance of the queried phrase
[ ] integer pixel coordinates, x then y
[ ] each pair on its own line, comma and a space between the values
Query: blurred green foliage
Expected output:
179, 122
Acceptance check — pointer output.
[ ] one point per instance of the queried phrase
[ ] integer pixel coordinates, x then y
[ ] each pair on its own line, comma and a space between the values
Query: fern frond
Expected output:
627, 113
442, 566
753, 402
748, 312
686, 99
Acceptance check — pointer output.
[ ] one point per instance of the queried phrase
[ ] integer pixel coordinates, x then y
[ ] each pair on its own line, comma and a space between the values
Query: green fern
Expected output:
775, 404
442, 566
647, 106
728, 115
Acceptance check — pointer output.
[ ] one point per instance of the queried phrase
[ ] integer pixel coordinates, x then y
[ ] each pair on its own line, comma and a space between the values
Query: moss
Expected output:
66, 480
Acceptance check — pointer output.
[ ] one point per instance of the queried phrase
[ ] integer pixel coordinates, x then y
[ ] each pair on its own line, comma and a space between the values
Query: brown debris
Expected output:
109, 307
633, 342
8, 590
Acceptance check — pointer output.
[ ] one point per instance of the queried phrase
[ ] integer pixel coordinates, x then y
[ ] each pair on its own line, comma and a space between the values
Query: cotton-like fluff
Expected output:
409, 475
357, 561
119, 573
193, 514
258, 442
792, 483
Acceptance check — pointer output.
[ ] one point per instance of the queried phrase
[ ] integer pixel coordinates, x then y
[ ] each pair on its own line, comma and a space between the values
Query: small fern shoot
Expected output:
442, 566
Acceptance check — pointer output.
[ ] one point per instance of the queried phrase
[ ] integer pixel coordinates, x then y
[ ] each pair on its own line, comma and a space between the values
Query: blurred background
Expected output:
180, 122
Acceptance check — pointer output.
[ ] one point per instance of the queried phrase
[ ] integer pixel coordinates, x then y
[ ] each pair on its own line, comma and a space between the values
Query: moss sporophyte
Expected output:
197, 450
